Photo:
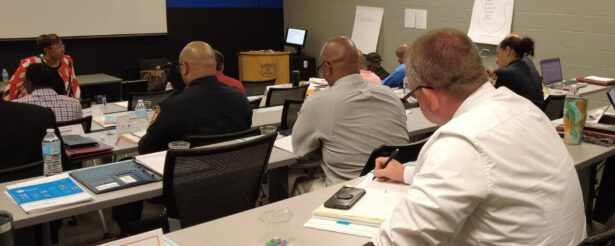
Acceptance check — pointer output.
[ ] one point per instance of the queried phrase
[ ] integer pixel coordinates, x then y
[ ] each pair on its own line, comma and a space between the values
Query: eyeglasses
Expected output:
412, 92
58, 46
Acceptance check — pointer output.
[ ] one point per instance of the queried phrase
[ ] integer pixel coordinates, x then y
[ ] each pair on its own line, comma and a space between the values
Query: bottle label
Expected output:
51, 150
141, 112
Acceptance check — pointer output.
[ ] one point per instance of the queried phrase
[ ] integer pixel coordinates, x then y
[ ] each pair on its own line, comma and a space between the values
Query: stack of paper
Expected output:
285, 143
364, 218
153, 161
133, 137
47, 193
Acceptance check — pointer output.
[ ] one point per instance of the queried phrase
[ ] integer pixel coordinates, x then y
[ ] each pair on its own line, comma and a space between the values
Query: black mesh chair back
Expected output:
148, 64
139, 85
604, 237
256, 88
407, 152
276, 96
154, 97
207, 183
256, 103
21, 172
86, 123
289, 113
553, 106
200, 140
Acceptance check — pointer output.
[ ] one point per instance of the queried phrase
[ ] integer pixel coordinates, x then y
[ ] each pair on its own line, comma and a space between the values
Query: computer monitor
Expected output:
296, 37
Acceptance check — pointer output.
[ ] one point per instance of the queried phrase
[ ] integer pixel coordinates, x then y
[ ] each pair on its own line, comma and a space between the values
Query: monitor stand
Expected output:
299, 51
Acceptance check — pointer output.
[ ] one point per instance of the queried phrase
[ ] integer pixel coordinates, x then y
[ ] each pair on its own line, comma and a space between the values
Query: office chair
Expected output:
201, 140
193, 179
256, 103
290, 112
606, 237
407, 152
553, 106
276, 96
29, 170
127, 87
256, 88
86, 123
154, 97
149, 64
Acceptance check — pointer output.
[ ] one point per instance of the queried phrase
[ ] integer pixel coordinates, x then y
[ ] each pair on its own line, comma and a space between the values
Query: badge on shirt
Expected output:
156, 113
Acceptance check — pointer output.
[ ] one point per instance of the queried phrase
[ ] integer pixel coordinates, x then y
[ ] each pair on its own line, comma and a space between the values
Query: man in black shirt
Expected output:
373, 63
206, 107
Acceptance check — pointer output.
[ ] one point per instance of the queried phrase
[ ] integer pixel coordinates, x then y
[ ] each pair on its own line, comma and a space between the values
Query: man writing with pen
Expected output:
494, 173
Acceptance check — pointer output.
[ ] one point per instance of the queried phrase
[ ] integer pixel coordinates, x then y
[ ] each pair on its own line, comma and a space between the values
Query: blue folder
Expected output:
114, 176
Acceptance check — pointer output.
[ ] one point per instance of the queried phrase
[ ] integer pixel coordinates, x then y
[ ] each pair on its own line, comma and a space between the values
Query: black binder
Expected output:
114, 176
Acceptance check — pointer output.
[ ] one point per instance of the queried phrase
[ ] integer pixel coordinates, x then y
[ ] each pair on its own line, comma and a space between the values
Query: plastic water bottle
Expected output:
52, 156
141, 113
405, 87
5, 75
104, 102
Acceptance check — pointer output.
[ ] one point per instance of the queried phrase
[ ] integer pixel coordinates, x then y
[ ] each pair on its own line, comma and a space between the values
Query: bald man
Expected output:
206, 107
396, 79
345, 122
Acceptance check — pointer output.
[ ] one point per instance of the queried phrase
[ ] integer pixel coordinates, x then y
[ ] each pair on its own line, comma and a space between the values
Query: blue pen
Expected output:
343, 222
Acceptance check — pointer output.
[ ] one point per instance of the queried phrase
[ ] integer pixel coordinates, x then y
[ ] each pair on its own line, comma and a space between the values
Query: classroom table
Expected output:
585, 91
245, 228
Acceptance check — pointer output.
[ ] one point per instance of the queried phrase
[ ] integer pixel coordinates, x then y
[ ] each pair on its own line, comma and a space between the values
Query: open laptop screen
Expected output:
551, 71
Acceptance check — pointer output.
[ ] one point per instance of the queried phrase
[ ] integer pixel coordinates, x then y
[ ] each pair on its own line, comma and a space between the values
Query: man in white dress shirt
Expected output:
494, 173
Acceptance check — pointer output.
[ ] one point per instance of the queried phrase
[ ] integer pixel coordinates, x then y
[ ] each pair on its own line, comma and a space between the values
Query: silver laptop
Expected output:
552, 74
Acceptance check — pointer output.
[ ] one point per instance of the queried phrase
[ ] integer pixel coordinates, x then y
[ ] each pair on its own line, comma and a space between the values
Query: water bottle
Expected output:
169, 86
406, 88
141, 113
104, 102
52, 156
5, 75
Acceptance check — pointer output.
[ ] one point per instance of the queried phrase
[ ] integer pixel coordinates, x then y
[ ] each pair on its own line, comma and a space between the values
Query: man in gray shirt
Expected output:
345, 122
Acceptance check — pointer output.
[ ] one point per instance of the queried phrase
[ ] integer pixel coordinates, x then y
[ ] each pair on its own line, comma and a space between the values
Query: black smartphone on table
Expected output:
345, 198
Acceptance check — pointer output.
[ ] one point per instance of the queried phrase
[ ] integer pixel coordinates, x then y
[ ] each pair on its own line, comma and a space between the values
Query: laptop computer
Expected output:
605, 121
552, 74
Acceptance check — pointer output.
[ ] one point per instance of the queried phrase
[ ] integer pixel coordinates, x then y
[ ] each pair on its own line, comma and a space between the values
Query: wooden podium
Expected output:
264, 65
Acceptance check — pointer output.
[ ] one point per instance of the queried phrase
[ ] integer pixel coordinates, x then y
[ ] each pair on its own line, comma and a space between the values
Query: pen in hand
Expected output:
388, 160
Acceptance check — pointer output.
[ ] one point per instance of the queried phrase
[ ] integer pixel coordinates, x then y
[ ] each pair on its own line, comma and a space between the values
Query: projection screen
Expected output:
23, 19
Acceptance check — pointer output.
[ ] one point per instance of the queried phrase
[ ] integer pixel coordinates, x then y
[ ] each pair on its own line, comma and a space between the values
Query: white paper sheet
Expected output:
285, 143
421, 19
150, 238
76, 129
410, 18
366, 28
491, 20
153, 161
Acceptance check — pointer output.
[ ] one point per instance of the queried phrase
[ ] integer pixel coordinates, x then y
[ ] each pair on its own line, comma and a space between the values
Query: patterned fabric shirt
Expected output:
65, 108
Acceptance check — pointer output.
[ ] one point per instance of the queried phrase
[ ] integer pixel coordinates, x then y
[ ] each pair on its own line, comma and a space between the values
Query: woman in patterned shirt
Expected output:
52, 48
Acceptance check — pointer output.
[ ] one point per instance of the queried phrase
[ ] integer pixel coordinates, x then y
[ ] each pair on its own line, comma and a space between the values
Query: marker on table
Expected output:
117, 141
389, 160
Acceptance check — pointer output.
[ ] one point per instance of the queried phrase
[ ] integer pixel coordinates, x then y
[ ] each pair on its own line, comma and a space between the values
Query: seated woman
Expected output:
64, 81
38, 83
515, 74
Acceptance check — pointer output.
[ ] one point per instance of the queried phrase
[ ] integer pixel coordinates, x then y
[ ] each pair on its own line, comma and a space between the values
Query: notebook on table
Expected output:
114, 176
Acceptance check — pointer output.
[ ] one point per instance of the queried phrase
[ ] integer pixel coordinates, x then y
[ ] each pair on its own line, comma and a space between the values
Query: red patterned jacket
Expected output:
15, 88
